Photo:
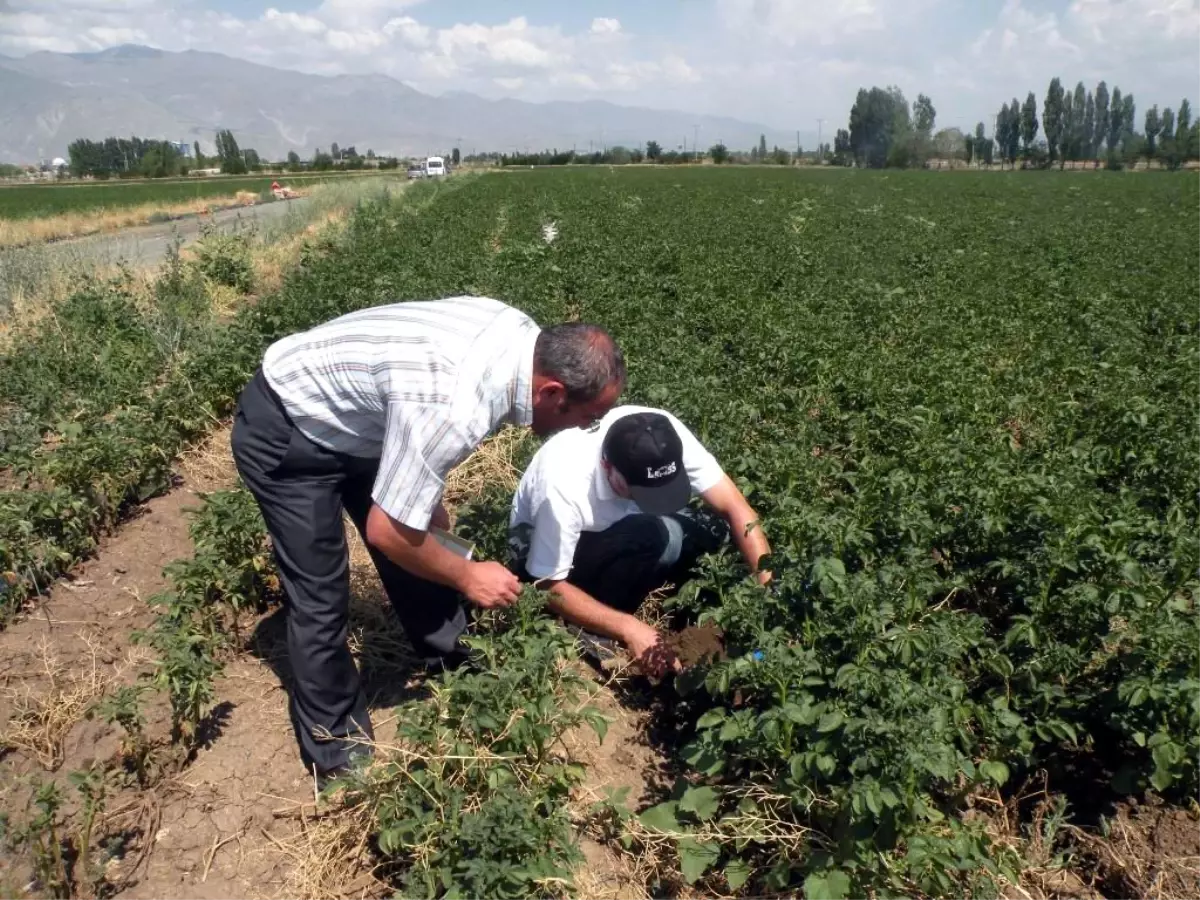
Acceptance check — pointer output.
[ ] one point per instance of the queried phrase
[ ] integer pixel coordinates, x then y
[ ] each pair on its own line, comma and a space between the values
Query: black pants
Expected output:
302, 490
639, 554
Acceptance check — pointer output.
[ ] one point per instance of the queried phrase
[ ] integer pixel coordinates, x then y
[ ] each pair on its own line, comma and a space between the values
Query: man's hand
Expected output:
647, 648
489, 584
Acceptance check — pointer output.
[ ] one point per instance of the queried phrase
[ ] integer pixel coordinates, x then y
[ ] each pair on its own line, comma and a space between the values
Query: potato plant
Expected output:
965, 407
473, 802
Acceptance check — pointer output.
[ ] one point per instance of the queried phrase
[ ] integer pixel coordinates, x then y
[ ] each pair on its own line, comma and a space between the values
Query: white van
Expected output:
435, 165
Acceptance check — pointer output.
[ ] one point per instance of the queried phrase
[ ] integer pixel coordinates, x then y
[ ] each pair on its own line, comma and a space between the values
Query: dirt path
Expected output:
214, 821
144, 245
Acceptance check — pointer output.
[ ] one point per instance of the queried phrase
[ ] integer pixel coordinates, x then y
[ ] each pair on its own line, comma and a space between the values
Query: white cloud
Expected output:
1109, 21
362, 13
514, 43
408, 30
295, 21
789, 22
602, 25
355, 42
110, 36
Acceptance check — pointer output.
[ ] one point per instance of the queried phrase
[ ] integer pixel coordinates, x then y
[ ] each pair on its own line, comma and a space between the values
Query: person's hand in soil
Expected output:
647, 648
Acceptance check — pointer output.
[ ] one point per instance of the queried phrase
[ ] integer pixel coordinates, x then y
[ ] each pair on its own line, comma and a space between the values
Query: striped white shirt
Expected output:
418, 385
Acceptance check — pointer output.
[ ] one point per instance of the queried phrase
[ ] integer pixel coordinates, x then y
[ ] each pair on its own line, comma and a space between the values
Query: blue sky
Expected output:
784, 63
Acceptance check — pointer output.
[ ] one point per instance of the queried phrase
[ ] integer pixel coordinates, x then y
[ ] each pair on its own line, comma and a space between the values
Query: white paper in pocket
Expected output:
453, 543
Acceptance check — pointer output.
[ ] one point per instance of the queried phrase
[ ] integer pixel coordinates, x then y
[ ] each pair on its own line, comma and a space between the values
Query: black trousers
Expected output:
302, 490
637, 555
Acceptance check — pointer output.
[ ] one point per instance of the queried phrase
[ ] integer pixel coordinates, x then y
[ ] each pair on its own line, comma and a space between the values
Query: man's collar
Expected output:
522, 382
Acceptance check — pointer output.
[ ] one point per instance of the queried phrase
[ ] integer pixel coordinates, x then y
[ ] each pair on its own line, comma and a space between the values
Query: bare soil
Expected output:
697, 644
1150, 850
205, 831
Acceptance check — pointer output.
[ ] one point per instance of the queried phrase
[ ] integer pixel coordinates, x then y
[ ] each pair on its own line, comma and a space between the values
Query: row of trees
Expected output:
144, 158
138, 157
117, 157
653, 153
1086, 126
1079, 125
348, 158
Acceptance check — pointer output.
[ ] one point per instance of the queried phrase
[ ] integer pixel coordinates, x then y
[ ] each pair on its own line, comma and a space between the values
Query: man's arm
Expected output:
580, 608
744, 526
485, 584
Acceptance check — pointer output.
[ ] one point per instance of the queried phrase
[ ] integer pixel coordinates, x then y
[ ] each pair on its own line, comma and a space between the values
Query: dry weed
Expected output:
1150, 850
22, 232
41, 720
331, 856
377, 641
208, 465
31, 302
494, 462
275, 258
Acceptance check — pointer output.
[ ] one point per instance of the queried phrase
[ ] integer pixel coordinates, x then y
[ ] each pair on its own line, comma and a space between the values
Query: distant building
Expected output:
183, 148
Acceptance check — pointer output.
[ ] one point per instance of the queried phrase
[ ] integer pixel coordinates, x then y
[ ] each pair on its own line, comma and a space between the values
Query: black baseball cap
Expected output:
645, 448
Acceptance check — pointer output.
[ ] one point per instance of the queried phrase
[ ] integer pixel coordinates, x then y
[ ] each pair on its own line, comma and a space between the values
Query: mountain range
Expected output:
49, 99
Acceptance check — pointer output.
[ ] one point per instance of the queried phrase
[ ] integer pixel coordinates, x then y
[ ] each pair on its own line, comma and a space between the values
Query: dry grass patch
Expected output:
42, 719
493, 463
30, 304
208, 465
23, 232
273, 260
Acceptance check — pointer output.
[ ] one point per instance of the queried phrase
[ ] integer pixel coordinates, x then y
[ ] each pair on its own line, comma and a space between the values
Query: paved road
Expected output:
145, 245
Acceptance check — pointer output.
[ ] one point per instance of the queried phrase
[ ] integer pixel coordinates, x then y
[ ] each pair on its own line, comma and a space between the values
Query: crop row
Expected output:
100, 395
966, 419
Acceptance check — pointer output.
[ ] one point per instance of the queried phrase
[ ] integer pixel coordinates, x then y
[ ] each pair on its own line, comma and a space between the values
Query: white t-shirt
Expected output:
565, 492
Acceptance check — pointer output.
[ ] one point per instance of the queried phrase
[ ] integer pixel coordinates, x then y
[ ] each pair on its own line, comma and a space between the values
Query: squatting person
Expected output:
599, 515
368, 413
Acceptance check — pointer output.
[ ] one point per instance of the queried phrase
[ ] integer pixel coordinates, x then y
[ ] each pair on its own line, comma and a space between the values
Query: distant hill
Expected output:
48, 100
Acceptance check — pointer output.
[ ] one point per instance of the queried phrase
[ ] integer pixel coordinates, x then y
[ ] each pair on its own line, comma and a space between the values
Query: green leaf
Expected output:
1161, 779
831, 885
702, 758
797, 768
830, 721
994, 770
696, 858
661, 817
599, 725
711, 718
703, 801
737, 873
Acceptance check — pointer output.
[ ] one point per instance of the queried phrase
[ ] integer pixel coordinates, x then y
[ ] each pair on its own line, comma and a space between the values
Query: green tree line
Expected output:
117, 157
141, 157
1077, 126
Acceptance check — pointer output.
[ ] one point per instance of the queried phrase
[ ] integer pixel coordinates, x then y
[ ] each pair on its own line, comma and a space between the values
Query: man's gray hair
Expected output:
583, 357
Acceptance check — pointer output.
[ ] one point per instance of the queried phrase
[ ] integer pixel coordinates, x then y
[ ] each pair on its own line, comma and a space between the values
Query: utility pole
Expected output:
695, 138
820, 127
